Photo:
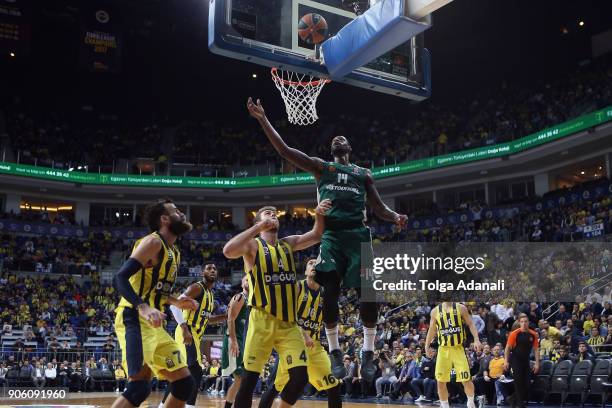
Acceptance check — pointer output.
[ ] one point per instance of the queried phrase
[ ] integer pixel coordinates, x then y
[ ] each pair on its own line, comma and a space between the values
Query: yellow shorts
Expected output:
143, 344
265, 333
319, 370
191, 351
450, 357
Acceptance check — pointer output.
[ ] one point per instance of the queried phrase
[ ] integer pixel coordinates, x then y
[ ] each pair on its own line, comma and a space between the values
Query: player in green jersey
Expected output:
350, 188
233, 341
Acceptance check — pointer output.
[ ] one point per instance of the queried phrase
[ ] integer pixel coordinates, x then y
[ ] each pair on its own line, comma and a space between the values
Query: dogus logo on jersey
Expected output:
450, 331
164, 287
282, 277
307, 324
206, 314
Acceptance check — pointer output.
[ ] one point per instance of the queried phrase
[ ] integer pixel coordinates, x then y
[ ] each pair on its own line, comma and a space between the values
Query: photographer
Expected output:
387, 367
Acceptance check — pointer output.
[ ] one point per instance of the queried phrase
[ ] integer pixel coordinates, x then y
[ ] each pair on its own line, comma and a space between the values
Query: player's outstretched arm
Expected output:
467, 318
510, 343
312, 237
216, 319
186, 300
232, 313
298, 158
143, 254
243, 243
380, 209
431, 332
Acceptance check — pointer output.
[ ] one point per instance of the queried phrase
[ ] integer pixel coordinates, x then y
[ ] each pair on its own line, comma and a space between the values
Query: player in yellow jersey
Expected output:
447, 322
269, 264
310, 320
145, 283
192, 324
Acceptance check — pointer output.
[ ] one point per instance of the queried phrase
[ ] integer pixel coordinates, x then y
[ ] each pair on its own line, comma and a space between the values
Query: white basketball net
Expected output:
300, 93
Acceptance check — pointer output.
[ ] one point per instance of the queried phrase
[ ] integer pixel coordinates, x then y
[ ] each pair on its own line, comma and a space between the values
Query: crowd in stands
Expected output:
56, 254
563, 223
498, 115
61, 218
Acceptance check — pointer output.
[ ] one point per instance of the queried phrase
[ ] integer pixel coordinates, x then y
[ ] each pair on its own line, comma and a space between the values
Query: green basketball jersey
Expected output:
241, 320
345, 187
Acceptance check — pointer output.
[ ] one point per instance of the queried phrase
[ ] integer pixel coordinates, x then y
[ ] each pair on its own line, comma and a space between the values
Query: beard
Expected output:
179, 227
341, 150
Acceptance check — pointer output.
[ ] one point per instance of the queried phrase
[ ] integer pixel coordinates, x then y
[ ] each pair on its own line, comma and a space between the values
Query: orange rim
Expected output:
297, 83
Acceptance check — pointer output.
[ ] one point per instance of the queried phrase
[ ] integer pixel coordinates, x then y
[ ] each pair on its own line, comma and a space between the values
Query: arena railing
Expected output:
503, 149
69, 356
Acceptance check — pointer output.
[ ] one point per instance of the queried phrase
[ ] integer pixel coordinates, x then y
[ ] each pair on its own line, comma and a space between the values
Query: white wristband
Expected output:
178, 314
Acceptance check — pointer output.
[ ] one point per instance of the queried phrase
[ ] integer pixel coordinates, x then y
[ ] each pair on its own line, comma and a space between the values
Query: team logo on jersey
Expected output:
164, 287
289, 360
308, 324
450, 331
283, 277
169, 363
332, 168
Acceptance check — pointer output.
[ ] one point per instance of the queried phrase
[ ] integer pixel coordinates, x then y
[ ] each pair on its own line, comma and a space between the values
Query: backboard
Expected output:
265, 32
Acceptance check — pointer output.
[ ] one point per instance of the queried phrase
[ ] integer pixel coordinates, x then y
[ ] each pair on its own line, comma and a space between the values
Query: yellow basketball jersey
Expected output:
450, 326
310, 310
273, 280
154, 284
198, 320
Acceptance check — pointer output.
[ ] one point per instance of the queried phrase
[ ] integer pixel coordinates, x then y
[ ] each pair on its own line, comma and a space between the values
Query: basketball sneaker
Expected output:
338, 368
368, 369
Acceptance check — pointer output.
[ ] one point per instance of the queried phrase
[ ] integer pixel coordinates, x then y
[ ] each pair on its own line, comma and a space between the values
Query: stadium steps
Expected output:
116, 259
106, 275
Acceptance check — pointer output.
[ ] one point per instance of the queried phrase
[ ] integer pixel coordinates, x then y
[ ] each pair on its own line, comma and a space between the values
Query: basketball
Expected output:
312, 28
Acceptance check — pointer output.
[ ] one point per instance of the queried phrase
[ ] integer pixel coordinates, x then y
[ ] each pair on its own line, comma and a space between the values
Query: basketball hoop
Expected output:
300, 93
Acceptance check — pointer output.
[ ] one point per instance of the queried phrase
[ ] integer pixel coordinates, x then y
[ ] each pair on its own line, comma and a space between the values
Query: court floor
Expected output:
105, 400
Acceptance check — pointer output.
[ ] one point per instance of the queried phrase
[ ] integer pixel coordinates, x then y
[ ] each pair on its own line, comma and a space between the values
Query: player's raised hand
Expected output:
267, 224
401, 220
234, 349
187, 303
308, 341
151, 315
255, 109
323, 206
187, 337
